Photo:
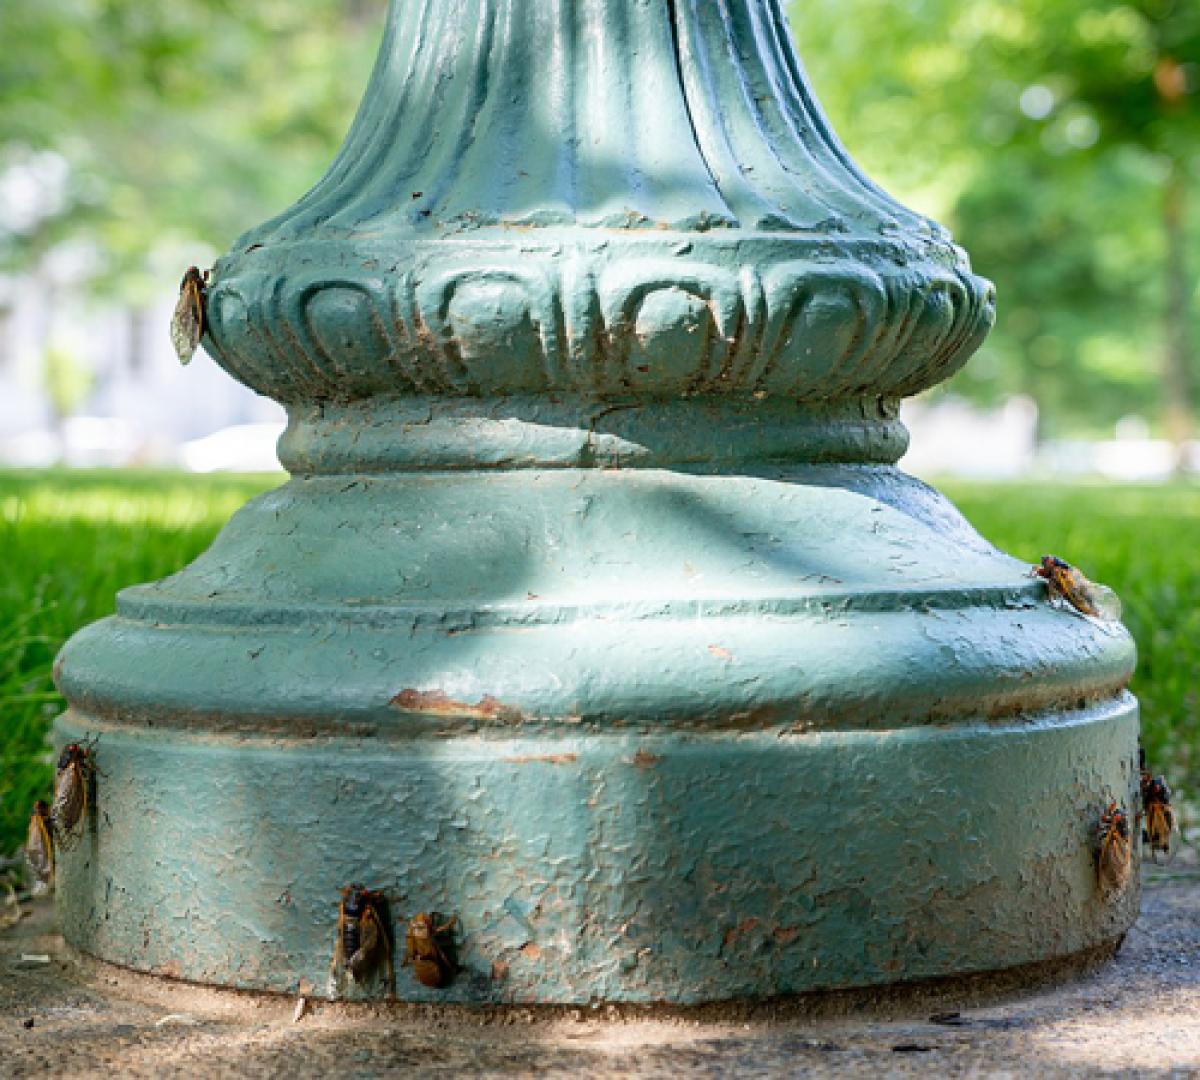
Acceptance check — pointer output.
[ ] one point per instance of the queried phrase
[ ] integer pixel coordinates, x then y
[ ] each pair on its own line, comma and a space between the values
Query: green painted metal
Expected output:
596, 612
617, 865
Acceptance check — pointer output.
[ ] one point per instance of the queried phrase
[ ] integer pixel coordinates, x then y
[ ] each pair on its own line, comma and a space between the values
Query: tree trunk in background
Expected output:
1178, 351
136, 352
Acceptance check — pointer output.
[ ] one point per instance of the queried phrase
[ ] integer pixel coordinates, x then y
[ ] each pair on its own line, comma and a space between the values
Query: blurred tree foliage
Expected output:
1059, 139
182, 121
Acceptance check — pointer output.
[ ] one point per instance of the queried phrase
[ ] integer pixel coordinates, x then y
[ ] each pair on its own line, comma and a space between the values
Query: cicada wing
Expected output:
187, 325
1105, 603
1074, 588
1085, 596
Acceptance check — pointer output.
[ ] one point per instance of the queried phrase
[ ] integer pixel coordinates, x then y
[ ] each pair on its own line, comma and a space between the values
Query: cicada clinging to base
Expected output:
1067, 585
39, 846
363, 939
1114, 860
74, 790
428, 950
1158, 815
190, 322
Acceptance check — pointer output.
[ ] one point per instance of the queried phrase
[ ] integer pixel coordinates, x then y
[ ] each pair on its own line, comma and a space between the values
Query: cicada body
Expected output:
1114, 860
39, 846
363, 942
190, 322
73, 791
1068, 585
428, 952
1158, 816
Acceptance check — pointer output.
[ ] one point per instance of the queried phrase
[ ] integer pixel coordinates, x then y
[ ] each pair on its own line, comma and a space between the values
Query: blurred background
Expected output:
1058, 139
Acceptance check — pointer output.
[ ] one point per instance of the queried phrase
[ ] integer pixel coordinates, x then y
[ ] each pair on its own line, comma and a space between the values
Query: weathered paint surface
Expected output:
837, 597
596, 613
650, 735
677, 867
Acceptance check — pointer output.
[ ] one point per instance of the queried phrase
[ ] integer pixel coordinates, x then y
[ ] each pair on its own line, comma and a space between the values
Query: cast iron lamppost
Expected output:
595, 612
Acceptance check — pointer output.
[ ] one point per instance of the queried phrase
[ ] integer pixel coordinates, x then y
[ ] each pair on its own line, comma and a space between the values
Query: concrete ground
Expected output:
1139, 1015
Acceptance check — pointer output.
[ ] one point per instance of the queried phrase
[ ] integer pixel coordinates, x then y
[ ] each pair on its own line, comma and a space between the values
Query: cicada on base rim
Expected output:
1114, 859
1067, 585
74, 792
363, 941
428, 952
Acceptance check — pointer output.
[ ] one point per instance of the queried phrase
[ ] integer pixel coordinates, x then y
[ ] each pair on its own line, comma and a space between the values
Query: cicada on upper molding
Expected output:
1067, 585
190, 322
1158, 815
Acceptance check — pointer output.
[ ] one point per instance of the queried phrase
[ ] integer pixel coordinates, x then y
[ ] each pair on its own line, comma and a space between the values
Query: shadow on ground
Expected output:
73, 1017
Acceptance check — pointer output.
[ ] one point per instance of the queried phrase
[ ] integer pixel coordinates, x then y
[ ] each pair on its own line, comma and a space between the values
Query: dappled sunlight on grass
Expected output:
109, 507
157, 500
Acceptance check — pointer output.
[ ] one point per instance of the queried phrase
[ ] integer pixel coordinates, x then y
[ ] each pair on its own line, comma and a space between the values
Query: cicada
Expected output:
73, 791
1068, 585
190, 322
363, 938
427, 952
1158, 815
1114, 860
39, 846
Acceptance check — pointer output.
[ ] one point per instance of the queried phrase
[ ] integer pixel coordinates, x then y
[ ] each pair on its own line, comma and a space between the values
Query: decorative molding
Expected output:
595, 197
645, 326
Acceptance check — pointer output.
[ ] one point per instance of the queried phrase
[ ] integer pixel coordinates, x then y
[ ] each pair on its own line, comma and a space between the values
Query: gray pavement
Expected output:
1138, 1015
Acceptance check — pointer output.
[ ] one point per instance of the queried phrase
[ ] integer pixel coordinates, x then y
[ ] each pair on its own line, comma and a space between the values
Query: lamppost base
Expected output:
650, 735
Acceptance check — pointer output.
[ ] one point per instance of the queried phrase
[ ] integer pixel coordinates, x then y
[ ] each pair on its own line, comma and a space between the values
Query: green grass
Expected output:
69, 541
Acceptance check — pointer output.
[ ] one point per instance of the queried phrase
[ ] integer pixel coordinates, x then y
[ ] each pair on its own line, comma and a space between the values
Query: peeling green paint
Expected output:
623, 867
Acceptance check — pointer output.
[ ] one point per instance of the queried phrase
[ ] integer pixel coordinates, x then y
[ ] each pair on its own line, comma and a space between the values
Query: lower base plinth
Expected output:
650, 735
629, 867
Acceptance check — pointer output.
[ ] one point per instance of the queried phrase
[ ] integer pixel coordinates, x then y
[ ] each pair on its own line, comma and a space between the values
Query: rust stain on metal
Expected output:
439, 703
734, 932
553, 759
643, 759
